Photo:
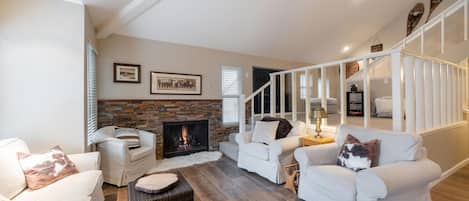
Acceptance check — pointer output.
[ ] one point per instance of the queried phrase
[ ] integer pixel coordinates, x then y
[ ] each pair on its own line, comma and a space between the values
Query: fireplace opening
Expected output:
185, 137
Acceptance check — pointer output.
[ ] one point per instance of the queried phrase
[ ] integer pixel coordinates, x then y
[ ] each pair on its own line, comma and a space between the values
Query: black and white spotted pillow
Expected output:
358, 156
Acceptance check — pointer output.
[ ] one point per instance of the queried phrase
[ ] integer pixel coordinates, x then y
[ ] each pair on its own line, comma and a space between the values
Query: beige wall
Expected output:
168, 57
448, 146
42, 73
396, 30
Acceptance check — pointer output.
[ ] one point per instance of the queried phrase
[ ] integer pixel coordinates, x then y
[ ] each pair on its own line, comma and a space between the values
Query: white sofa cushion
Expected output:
77, 187
333, 181
299, 128
139, 153
264, 132
394, 146
257, 150
12, 180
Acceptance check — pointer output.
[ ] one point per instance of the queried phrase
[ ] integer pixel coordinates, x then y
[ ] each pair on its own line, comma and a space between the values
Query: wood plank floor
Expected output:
221, 180
224, 181
454, 188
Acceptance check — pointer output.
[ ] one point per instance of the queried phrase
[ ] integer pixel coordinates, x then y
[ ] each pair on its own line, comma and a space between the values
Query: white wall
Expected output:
42, 73
167, 57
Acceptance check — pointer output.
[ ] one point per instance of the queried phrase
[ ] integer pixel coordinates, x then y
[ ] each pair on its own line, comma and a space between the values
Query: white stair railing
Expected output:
433, 91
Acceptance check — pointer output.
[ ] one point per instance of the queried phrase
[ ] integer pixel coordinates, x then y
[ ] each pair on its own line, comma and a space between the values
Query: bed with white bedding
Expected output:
384, 106
332, 104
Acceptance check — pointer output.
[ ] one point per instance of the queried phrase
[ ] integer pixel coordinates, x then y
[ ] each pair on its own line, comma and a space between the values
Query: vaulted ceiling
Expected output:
300, 30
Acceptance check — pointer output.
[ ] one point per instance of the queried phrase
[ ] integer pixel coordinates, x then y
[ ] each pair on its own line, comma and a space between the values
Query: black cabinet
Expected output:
355, 104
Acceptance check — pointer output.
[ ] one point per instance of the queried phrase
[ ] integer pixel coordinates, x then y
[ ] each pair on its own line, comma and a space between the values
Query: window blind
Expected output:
231, 89
92, 106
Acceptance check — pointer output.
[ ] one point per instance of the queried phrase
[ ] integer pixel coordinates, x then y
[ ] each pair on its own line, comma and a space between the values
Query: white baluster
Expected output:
307, 97
242, 114
366, 94
409, 93
454, 91
460, 93
397, 117
436, 95
324, 91
272, 96
428, 94
444, 94
282, 95
294, 96
343, 113
449, 86
419, 95
262, 103
253, 115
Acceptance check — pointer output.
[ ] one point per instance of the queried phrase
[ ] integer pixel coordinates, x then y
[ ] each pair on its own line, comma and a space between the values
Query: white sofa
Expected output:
122, 165
84, 186
268, 160
230, 147
403, 173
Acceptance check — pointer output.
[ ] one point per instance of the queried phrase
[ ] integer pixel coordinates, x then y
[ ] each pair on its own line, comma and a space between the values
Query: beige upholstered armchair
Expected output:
122, 165
403, 173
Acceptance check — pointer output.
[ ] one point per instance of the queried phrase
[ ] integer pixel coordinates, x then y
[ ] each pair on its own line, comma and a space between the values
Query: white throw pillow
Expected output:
299, 128
130, 136
264, 132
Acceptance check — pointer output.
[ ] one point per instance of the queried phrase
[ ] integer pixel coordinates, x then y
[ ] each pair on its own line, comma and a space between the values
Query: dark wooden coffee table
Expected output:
182, 191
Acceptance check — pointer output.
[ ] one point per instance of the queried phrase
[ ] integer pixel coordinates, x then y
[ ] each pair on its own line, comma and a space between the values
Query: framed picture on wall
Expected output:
175, 83
126, 73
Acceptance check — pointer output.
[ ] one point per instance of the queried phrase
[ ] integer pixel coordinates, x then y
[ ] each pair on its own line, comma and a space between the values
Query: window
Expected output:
231, 89
92, 106
303, 87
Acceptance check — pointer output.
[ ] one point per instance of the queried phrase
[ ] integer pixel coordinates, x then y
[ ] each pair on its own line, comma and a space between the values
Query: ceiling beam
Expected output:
124, 16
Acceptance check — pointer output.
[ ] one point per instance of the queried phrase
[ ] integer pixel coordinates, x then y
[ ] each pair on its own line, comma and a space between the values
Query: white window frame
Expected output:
240, 85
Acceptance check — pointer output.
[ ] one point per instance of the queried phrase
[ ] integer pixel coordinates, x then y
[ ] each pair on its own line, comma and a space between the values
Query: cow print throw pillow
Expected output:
43, 169
357, 156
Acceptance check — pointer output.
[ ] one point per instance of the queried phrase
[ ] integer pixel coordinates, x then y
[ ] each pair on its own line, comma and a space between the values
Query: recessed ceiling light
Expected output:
346, 48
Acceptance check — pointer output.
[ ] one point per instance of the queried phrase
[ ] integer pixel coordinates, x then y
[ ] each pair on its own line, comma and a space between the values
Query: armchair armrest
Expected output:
379, 182
283, 145
147, 139
243, 138
324, 154
86, 161
114, 152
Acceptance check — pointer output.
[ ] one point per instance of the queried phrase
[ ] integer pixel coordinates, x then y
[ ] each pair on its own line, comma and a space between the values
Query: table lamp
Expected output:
318, 114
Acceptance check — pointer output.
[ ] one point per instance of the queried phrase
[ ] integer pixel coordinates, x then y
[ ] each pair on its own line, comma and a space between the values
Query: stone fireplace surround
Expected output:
149, 115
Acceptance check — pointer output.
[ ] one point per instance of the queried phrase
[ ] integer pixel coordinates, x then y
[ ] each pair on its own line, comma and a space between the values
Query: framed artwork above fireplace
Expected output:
175, 83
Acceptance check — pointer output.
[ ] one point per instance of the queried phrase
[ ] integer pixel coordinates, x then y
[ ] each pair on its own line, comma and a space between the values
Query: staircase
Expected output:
427, 92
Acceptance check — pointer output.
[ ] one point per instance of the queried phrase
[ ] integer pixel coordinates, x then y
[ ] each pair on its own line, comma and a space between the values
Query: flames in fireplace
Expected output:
180, 138
184, 140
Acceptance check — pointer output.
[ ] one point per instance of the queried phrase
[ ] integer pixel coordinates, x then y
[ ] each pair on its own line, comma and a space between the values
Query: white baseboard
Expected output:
450, 172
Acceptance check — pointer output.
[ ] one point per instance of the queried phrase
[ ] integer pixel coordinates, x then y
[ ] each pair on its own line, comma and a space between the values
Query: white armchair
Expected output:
83, 186
122, 165
268, 160
403, 173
